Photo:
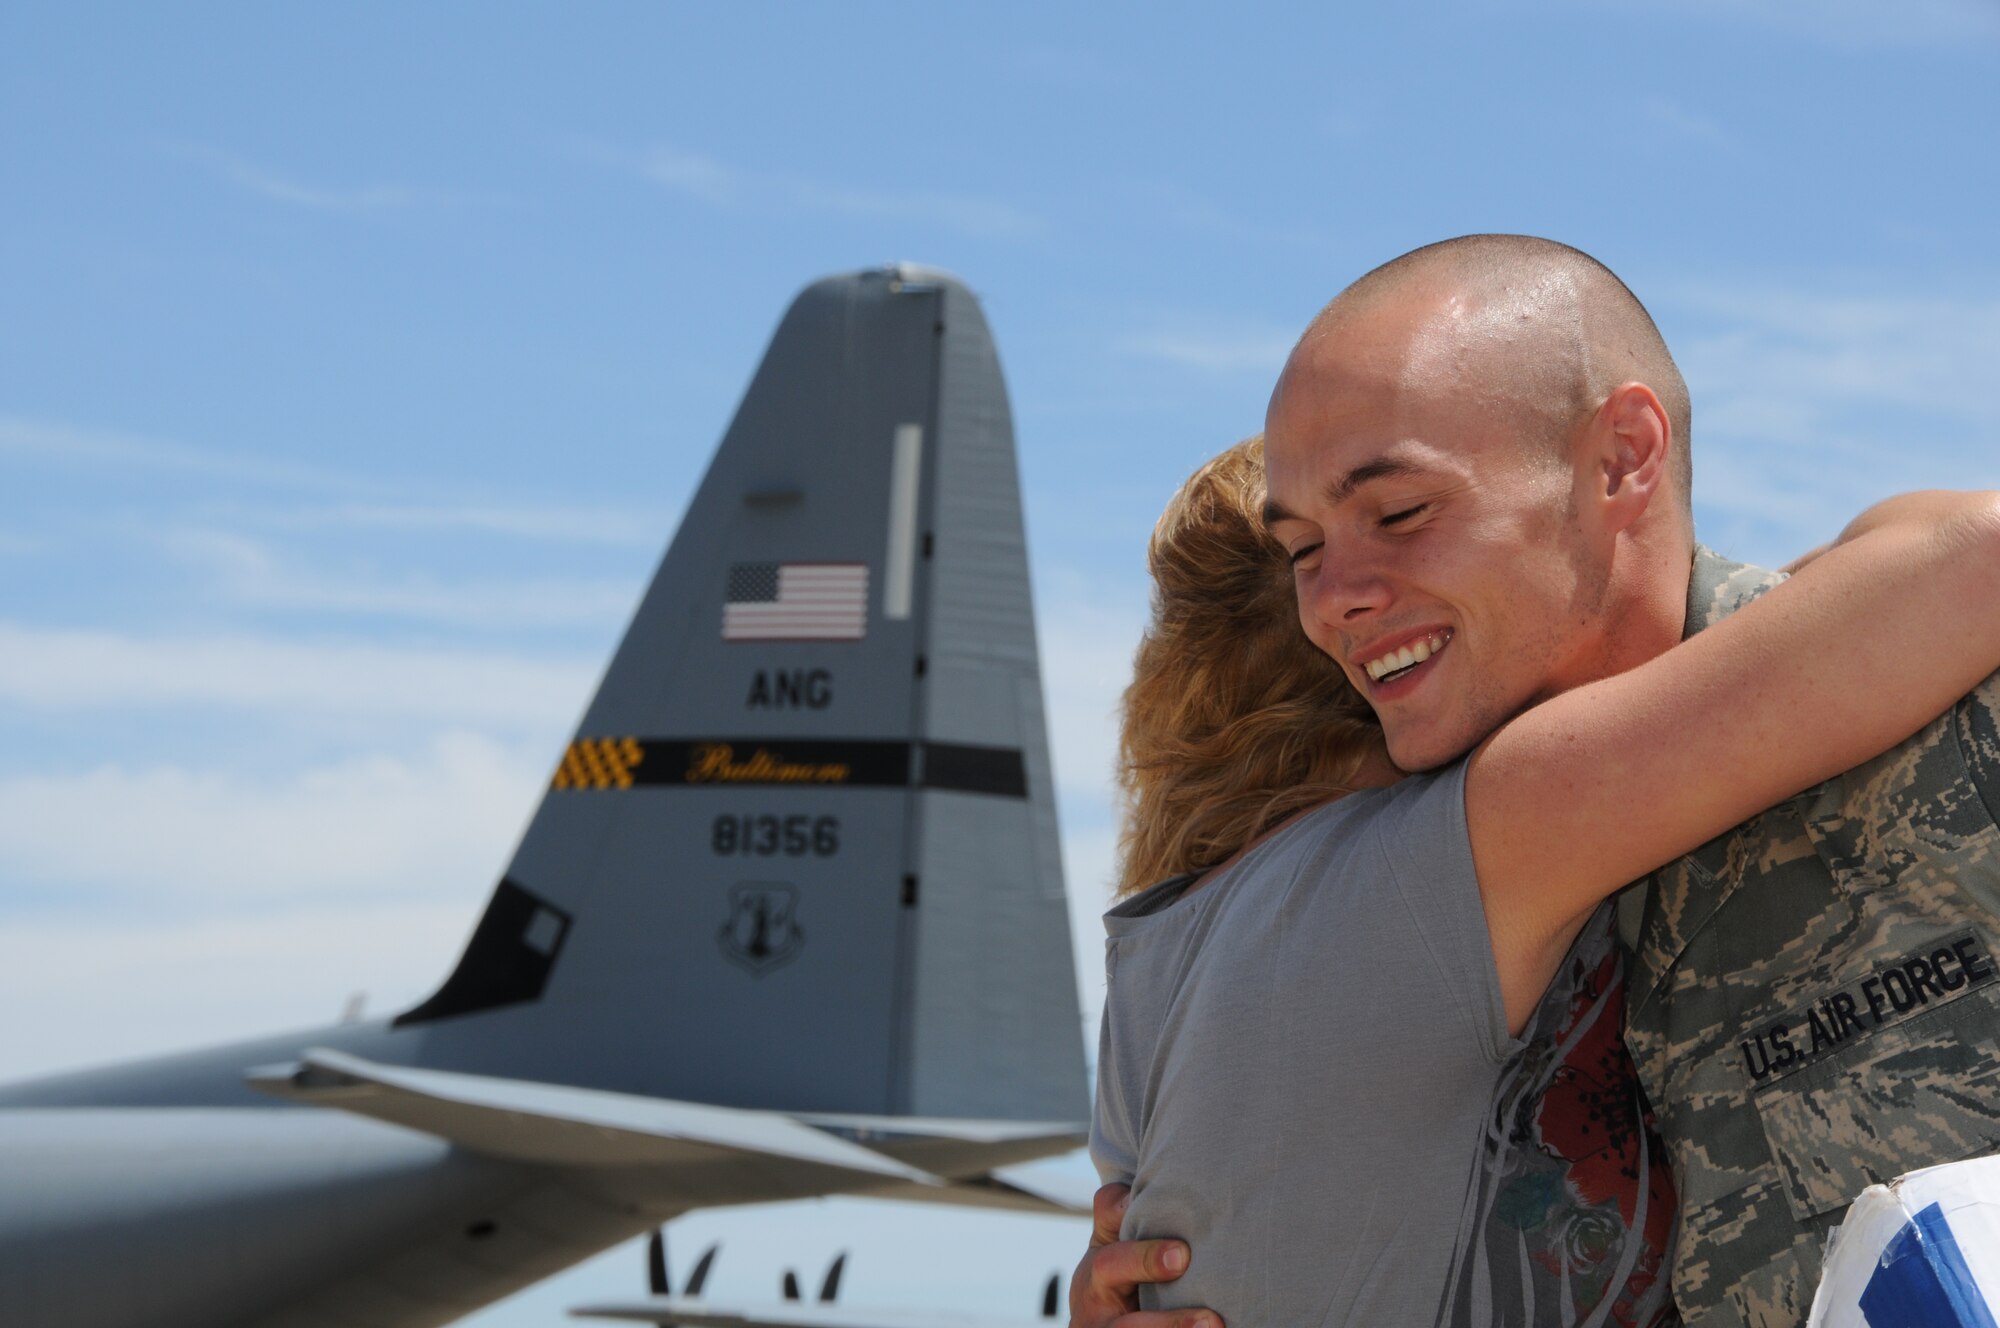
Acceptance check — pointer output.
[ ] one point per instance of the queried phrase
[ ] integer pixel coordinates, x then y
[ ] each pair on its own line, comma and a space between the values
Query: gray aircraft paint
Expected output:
902, 950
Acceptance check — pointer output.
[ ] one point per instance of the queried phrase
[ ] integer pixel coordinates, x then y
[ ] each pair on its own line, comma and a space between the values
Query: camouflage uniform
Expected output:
1813, 1004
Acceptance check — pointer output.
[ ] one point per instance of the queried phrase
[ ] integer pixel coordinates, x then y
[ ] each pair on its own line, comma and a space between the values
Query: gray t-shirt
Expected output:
1298, 1061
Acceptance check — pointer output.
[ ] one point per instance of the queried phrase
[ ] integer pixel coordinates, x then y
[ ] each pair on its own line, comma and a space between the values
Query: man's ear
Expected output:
1632, 439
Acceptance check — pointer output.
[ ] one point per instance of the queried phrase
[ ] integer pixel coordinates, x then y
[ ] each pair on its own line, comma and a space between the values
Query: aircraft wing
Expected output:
686, 1312
563, 1126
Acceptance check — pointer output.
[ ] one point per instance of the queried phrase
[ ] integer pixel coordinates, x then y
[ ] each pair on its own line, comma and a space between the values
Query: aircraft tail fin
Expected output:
801, 854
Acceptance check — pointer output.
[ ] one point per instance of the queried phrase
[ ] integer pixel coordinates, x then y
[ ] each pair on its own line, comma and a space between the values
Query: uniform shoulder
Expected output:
1718, 586
1978, 727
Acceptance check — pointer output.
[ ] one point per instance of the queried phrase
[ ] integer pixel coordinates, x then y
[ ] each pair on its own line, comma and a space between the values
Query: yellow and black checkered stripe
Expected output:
599, 763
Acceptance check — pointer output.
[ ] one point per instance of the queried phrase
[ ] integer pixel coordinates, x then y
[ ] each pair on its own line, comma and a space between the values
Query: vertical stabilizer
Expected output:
802, 852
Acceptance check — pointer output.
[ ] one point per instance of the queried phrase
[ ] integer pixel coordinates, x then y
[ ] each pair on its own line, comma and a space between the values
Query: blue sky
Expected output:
356, 362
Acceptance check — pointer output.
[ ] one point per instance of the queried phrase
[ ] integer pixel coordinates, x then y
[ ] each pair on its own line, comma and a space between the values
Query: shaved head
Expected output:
1546, 329
1480, 450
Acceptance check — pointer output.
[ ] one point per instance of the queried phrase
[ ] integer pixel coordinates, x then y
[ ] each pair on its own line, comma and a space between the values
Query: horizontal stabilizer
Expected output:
687, 1313
560, 1126
1008, 1189
1063, 1192
952, 1148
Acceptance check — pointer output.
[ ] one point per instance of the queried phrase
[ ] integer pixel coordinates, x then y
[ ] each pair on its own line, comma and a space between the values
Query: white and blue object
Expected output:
1920, 1252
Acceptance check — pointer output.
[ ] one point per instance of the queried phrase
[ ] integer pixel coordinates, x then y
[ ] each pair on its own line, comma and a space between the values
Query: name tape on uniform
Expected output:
1919, 980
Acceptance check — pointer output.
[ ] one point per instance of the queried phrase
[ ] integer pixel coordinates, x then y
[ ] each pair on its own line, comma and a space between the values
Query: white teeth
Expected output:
1414, 653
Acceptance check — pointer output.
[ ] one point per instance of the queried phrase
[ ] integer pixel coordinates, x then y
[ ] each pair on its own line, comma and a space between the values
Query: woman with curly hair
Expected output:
1234, 722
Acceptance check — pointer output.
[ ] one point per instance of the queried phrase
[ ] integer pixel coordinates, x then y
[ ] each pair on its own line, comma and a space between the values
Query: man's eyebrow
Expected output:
1381, 468
1344, 488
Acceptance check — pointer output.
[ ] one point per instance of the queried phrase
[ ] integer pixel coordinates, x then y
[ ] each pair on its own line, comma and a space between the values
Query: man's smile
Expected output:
1393, 664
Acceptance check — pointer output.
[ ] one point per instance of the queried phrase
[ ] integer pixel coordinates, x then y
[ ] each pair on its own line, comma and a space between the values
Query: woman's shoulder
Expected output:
1430, 795
1329, 827
1338, 823
1154, 898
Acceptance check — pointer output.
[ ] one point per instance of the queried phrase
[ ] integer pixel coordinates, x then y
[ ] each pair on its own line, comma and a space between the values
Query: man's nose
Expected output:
1348, 590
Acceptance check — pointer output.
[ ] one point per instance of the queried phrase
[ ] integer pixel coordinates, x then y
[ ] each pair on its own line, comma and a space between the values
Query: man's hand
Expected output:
1104, 1292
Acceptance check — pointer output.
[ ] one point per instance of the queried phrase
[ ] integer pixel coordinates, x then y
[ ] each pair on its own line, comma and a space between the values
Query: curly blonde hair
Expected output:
1234, 720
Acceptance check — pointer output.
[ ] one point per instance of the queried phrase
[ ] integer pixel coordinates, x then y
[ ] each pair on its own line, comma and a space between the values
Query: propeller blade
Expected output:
831, 1287
791, 1285
1049, 1296
700, 1273
656, 1263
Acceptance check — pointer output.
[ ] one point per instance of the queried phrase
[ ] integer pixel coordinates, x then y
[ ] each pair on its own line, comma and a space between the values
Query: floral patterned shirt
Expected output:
1576, 1197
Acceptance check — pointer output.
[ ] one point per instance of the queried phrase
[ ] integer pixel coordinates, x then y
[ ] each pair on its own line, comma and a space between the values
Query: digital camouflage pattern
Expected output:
1813, 1004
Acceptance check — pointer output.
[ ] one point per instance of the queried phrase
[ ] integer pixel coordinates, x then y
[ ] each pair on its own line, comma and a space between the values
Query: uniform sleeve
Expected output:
1427, 843
1978, 727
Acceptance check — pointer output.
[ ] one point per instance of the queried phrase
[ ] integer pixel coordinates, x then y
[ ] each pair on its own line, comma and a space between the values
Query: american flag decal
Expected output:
796, 602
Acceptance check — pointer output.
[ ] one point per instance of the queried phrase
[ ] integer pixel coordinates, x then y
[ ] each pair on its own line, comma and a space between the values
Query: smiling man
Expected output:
1444, 449
1452, 385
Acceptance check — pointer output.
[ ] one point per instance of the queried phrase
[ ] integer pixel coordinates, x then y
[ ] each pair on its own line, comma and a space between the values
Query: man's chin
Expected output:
1416, 753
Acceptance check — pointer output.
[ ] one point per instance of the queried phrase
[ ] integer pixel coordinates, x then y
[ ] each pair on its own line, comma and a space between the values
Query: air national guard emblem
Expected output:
762, 931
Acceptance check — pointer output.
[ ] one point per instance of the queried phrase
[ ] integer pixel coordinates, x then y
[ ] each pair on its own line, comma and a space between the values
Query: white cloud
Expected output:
69, 669
982, 218
1087, 628
1088, 631
690, 173
1673, 116
65, 443
1089, 866
1863, 23
722, 185
106, 987
1170, 203
576, 525
1810, 404
374, 197
1254, 351
1851, 24
1087, 640
1072, 68
371, 825
251, 574
1767, 505
365, 503
1814, 348
366, 506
